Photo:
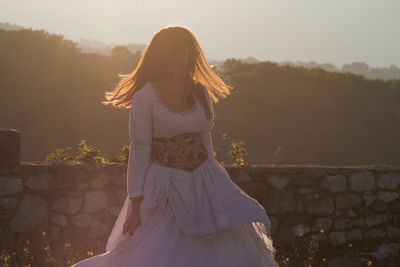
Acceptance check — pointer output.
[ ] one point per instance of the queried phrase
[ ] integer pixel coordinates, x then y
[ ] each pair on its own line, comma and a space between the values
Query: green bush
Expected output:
60, 154
86, 153
238, 153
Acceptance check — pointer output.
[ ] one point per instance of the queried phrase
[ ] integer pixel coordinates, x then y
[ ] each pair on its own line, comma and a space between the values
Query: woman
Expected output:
182, 209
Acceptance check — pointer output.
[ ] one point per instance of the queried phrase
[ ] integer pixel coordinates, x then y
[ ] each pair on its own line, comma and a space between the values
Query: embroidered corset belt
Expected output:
184, 151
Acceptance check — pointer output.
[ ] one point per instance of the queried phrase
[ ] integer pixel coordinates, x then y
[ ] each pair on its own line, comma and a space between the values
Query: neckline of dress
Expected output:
165, 105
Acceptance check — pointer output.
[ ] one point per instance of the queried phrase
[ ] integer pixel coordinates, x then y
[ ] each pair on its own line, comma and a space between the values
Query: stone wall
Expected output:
77, 202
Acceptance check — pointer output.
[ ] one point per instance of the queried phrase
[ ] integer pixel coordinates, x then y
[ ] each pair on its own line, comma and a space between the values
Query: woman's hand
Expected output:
133, 220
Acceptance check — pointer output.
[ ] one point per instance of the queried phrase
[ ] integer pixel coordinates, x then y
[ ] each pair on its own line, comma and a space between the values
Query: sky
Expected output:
338, 32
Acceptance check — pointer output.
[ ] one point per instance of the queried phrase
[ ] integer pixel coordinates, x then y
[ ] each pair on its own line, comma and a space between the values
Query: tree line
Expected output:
51, 90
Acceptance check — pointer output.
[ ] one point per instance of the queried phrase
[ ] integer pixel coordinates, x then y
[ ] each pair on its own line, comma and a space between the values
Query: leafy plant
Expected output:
89, 153
60, 154
123, 158
86, 153
238, 153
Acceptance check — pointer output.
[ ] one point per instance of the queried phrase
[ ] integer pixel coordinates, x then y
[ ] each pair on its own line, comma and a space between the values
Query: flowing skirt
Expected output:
191, 219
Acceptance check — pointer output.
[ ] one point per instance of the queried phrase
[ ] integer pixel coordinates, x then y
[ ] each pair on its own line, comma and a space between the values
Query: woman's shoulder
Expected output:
204, 90
145, 92
142, 98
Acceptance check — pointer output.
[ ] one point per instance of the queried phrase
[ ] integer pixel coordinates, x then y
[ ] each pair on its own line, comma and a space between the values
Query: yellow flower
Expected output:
322, 231
287, 259
369, 263
90, 253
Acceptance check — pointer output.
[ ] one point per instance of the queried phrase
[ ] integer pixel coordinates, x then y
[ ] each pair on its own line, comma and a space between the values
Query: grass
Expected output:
304, 252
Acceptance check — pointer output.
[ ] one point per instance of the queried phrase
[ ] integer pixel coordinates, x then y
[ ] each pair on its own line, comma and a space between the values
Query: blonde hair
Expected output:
158, 61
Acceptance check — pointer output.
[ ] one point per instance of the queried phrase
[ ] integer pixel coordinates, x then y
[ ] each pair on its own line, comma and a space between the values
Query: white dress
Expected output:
188, 219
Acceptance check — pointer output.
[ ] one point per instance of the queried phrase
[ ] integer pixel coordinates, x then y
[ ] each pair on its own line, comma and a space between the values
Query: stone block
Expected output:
305, 191
334, 183
305, 180
389, 181
95, 200
346, 201
362, 181
379, 206
80, 220
369, 199
378, 220
31, 213
337, 238
39, 182
343, 224
375, 233
59, 220
339, 214
277, 182
387, 196
8, 203
10, 186
67, 205
120, 180
365, 211
354, 234
358, 223
323, 206
386, 251
278, 202
393, 233
351, 214
97, 229
100, 181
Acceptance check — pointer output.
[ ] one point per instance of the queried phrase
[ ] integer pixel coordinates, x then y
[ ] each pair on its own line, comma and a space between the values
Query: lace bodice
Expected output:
167, 106
149, 117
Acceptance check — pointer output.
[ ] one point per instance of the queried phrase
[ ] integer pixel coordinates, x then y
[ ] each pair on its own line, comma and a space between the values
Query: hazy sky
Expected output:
339, 31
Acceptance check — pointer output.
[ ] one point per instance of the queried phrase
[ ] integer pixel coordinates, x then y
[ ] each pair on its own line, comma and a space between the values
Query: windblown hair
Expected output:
171, 48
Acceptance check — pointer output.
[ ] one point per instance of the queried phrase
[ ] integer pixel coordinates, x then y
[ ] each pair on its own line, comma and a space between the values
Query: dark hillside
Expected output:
315, 116
51, 91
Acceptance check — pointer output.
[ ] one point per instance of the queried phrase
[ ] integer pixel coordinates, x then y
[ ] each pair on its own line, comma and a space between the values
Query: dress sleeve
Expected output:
209, 102
140, 133
206, 135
